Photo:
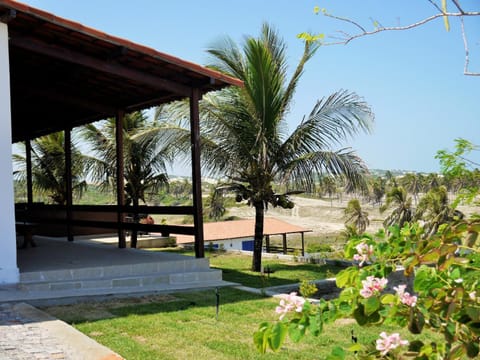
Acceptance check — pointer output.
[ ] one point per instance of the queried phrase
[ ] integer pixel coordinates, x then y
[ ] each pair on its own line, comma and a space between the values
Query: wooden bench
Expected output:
26, 229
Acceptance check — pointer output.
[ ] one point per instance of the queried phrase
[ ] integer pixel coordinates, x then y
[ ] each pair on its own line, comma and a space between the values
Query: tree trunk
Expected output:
258, 239
136, 220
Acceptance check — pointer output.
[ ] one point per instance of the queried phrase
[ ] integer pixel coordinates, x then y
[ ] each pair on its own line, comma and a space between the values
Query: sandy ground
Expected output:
320, 216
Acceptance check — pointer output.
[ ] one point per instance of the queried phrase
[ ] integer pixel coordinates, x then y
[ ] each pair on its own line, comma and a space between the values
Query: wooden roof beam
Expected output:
79, 58
8, 15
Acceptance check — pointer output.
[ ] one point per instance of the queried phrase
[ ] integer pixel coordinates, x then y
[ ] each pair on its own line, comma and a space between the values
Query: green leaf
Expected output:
457, 352
472, 349
260, 337
474, 327
389, 299
277, 336
337, 354
346, 277
355, 348
296, 330
424, 279
371, 305
359, 315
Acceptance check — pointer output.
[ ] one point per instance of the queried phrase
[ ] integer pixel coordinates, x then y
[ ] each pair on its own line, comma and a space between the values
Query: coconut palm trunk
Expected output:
258, 239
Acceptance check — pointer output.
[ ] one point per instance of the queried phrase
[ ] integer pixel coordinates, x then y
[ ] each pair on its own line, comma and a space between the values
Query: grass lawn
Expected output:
184, 326
236, 268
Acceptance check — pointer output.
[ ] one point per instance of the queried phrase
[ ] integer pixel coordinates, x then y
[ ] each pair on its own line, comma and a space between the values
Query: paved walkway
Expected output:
27, 333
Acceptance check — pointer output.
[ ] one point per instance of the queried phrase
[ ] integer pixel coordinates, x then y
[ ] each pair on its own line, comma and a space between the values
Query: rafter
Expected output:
38, 46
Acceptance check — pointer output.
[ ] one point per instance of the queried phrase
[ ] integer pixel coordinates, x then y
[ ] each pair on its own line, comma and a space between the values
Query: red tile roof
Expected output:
237, 229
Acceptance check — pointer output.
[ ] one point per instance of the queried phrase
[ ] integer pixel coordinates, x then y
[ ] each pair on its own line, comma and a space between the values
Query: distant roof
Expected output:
64, 74
237, 229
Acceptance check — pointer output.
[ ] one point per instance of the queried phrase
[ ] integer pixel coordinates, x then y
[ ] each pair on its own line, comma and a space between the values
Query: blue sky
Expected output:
413, 80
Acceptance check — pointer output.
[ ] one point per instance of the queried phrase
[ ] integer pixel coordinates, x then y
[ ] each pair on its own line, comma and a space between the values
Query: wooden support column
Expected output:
196, 173
28, 153
303, 244
68, 181
284, 243
120, 177
267, 243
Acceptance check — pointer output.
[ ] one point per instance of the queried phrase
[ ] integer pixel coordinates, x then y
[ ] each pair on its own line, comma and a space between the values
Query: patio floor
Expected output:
58, 271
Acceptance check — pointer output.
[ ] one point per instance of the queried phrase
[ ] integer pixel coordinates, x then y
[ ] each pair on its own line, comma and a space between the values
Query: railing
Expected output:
103, 217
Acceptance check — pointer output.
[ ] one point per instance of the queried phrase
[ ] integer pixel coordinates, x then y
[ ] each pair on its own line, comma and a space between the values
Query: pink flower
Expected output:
365, 253
405, 297
289, 303
372, 286
389, 342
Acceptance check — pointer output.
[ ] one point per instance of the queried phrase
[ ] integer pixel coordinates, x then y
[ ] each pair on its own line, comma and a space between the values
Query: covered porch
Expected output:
56, 74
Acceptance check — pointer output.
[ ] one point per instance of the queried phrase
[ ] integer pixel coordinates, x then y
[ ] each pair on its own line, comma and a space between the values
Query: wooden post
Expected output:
303, 244
267, 243
120, 177
284, 243
28, 153
196, 173
68, 180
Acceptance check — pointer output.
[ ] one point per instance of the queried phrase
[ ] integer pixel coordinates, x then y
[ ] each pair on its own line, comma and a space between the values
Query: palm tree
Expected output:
145, 158
216, 207
245, 136
356, 216
412, 184
434, 210
402, 212
48, 168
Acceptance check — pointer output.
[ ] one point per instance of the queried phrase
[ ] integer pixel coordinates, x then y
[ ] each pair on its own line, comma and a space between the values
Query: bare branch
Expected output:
467, 57
457, 4
435, 5
461, 14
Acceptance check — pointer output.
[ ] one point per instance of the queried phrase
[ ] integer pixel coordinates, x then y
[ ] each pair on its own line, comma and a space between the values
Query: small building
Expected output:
239, 234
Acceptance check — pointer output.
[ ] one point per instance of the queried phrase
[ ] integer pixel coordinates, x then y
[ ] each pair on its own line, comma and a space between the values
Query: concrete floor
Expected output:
58, 253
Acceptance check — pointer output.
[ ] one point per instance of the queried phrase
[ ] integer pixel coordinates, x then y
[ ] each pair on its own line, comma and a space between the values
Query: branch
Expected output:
348, 38
467, 56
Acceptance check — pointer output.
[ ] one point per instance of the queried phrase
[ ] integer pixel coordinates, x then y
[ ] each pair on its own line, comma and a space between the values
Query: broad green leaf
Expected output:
472, 349
371, 305
260, 337
277, 335
296, 330
457, 352
359, 315
337, 354
389, 299
474, 327
346, 277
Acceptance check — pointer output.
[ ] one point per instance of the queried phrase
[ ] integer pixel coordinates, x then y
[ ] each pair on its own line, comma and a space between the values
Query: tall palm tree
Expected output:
402, 212
245, 135
434, 209
356, 216
412, 184
145, 157
48, 168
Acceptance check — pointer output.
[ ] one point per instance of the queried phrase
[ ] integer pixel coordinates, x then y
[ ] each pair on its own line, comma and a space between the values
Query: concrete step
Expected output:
132, 282
102, 272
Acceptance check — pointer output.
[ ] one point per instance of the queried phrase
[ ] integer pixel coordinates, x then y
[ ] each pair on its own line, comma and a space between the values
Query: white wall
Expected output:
8, 254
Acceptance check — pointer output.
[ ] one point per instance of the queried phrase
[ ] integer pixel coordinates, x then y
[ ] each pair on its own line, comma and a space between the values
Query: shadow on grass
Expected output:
183, 301
280, 274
